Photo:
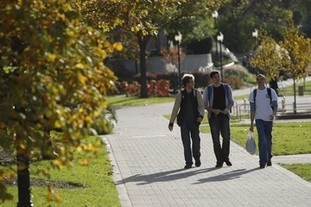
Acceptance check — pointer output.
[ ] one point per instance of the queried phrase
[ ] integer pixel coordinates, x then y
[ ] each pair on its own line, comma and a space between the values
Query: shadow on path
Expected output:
181, 174
227, 176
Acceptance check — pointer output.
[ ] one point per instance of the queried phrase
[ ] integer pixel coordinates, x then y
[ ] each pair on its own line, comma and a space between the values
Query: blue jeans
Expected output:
220, 125
190, 129
264, 130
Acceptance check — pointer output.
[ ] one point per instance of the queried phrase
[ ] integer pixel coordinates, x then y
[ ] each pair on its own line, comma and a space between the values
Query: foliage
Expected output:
237, 20
236, 76
268, 57
160, 88
77, 185
298, 50
52, 76
145, 19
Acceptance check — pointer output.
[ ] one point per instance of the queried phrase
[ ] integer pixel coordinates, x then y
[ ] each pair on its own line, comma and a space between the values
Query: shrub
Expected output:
105, 122
236, 76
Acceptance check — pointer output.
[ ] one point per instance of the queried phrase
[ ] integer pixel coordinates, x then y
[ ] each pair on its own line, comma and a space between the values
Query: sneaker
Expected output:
228, 163
198, 163
187, 166
269, 163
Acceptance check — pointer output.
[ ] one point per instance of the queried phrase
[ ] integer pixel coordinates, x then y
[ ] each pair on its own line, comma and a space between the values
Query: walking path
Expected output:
148, 169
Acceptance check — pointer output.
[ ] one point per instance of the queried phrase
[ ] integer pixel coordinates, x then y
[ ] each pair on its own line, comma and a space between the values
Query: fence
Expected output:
242, 109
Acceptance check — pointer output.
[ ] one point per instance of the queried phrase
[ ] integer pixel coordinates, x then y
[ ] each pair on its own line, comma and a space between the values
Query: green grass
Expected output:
288, 138
289, 90
99, 188
302, 170
118, 101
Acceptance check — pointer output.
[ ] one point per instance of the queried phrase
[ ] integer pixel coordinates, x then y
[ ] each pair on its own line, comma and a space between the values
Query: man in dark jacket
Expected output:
189, 110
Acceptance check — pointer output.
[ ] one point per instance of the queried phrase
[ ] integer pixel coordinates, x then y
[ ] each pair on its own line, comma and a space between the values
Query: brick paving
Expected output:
148, 169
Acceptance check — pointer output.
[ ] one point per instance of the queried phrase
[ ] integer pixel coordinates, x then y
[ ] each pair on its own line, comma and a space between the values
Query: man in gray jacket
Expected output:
189, 110
218, 101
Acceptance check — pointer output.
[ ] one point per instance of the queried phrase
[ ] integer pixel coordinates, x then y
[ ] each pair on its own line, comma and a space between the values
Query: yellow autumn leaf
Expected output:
82, 78
79, 65
118, 46
50, 57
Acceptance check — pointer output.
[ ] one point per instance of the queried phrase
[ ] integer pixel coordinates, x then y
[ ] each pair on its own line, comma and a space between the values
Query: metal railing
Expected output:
242, 109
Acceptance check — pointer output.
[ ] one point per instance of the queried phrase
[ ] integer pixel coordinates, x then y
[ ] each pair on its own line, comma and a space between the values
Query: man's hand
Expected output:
272, 117
225, 111
199, 119
217, 111
170, 126
251, 128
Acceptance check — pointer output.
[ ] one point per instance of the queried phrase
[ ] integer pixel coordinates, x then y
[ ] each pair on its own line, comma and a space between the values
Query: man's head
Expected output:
213, 73
186, 79
215, 76
261, 80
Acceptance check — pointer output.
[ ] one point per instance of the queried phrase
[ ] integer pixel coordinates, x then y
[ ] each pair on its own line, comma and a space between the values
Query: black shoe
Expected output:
269, 163
188, 166
219, 165
262, 166
228, 163
198, 163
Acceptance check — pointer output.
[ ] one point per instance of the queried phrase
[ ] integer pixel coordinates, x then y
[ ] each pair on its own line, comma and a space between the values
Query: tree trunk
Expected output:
23, 178
142, 41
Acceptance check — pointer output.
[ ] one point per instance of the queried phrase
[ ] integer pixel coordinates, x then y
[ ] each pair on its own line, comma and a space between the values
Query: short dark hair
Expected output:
213, 73
186, 79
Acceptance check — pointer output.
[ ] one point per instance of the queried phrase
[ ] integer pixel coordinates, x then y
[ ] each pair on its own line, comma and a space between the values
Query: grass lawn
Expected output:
300, 170
289, 90
118, 101
95, 185
288, 138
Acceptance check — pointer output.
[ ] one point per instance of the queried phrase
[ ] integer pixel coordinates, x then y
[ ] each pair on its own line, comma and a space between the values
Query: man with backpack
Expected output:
189, 110
263, 105
218, 101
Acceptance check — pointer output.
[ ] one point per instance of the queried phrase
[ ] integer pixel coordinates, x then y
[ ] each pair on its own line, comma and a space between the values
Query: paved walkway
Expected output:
148, 169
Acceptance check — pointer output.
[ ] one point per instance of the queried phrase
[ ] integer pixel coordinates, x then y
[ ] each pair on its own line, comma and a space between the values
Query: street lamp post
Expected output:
220, 39
215, 16
255, 35
178, 39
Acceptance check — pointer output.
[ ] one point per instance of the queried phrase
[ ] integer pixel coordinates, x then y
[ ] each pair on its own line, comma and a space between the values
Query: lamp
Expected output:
255, 33
215, 16
178, 39
220, 39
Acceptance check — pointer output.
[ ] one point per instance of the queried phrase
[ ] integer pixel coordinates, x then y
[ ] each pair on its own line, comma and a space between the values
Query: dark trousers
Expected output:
220, 125
190, 132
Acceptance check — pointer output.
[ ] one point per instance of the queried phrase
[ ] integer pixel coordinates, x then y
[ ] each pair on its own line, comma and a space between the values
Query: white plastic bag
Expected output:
250, 143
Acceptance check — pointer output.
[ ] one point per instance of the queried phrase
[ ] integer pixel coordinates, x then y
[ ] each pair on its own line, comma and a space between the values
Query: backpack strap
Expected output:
226, 87
270, 96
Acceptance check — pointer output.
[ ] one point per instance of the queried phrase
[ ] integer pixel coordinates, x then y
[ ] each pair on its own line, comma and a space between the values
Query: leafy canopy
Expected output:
52, 76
